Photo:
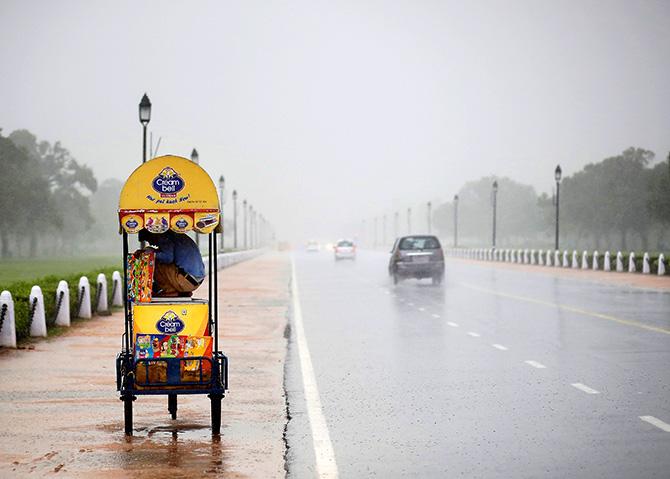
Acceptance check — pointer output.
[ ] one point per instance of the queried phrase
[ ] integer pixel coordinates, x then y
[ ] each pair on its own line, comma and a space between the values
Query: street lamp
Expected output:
409, 221
235, 219
195, 158
251, 226
428, 211
222, 186
244, 222
495, 204
557, 176
455, 221
145, 117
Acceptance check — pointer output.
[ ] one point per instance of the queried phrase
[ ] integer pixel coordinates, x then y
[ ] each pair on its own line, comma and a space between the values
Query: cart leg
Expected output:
172, 405
128, 413
216, 413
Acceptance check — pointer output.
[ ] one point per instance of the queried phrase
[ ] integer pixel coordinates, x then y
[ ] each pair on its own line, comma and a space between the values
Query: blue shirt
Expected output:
179, 249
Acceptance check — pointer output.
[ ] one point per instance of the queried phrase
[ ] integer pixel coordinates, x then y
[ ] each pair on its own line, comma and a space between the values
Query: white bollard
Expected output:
513, 256
631, 263
85, 303
645, 264
117, 286
7, 326
585, 260
526, 259
607, 264
557, 259
540, 257
619, 262
103, 305
595, 260
661, 264
520, 257
63, 313
574, 263
38, 325
532, 256
566, 263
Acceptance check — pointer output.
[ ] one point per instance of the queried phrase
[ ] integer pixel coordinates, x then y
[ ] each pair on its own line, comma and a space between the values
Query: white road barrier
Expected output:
661, 264
619, 262
631, 263
84, 298
645, 264
574, 264
63, 313
585, 260
102, 305
7, 325
117, 287
37, 316
607, 265
595, 260
566, 264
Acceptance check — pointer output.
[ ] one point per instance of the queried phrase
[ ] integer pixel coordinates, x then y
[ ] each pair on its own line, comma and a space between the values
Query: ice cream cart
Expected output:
170, 345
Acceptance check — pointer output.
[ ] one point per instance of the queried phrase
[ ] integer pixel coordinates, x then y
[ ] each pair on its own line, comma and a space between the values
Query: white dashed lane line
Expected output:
499, 346
584, 388
473, 334
422, 309
436, 316
535, 364
663, 426
410, 304
453, 325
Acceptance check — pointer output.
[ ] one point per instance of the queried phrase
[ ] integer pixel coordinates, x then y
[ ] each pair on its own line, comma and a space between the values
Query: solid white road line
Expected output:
422, 309
499, 346
535, 364
473, 334
410, 304
323, 448
663, 426
436, 316
453, 325
585, 388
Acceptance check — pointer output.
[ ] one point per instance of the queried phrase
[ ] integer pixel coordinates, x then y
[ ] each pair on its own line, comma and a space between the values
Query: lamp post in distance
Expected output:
409, 221
145, 118
235, 219
557, 176
495, 204
455, 221
244, 222
429, 207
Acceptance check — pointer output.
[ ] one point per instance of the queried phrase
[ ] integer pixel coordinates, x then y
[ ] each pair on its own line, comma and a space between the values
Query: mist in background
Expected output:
325, 114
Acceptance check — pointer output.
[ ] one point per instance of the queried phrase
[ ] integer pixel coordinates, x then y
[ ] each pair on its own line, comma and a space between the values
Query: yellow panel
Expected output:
189, 319
169, 183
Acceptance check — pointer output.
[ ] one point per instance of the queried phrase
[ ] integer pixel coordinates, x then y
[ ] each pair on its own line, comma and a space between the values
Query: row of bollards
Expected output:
563, 259
37, 313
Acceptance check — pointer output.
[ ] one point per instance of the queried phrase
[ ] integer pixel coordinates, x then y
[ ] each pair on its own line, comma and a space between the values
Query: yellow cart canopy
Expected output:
169, 192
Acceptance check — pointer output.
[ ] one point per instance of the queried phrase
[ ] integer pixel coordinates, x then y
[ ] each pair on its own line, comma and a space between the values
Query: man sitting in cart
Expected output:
179, 269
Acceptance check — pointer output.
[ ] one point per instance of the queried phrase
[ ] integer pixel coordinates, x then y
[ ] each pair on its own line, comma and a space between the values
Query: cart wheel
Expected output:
128, 414
216, 414
172, 405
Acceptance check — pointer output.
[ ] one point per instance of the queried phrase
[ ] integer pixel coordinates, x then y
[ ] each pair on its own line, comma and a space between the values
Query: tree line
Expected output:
49, 199
621, 202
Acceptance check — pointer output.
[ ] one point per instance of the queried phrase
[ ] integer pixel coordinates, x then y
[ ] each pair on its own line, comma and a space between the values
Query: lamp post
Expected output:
557, 176
495, 204
455, 221
429, 207
244, 221
409, 221
251, 226
145, 117
195, 157
222, 193
235, 219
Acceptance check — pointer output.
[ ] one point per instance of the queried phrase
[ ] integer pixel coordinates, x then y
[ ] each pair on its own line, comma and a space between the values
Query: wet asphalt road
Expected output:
495, 373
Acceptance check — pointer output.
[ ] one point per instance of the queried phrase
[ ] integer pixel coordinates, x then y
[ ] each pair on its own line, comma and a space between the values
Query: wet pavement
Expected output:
499, 372
62, 416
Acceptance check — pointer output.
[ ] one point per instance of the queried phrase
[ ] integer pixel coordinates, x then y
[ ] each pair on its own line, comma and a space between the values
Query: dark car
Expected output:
418, 256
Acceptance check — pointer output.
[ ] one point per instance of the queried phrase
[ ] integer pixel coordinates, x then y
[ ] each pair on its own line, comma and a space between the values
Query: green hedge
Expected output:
21, 295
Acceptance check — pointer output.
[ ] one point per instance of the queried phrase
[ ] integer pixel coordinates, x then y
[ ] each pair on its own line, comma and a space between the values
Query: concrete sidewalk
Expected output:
61, 414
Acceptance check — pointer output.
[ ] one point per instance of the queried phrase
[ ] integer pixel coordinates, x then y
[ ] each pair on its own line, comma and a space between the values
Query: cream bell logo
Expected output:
168, 183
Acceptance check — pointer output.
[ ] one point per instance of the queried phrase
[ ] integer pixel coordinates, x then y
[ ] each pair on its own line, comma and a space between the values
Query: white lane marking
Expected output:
436, 316
453, 325
473, 334
585, 388
535, 364
654, 421
422, 309
410, 304
499, 346
323, 448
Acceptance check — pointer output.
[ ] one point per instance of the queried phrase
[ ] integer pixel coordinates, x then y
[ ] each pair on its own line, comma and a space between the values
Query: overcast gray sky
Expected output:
323, 113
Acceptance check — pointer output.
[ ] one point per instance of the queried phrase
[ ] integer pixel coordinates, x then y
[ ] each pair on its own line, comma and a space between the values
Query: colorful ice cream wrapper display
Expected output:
152, 346
157, 222
140, 275
189, 319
